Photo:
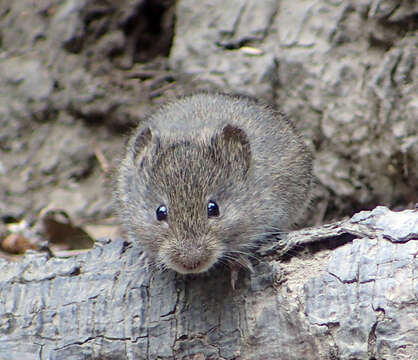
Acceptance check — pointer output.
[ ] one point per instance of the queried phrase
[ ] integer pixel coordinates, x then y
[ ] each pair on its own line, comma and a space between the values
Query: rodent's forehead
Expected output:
186, 169
187, 164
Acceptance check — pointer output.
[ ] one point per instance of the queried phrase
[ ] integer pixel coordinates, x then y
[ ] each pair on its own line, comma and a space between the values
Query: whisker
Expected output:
242, 253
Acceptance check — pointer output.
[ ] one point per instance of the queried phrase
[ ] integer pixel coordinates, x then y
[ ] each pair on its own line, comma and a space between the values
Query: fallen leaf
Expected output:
17, 244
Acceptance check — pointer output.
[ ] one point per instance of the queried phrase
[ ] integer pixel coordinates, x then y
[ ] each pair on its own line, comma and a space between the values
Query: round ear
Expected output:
141, 141
234, 134
144, 145
237, 145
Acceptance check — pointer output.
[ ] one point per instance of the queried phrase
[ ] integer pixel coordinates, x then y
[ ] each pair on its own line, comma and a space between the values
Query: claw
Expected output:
234, 276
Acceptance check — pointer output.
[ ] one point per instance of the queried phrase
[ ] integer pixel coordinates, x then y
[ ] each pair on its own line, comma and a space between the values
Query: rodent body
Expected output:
209, 176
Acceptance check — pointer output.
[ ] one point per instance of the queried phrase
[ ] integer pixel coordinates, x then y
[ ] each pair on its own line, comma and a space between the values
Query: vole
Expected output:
209, 176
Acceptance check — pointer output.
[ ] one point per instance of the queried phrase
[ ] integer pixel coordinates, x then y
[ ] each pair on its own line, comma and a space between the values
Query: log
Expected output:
340, 291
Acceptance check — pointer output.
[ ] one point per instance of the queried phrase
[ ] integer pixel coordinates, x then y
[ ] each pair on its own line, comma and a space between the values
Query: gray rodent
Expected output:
209, 176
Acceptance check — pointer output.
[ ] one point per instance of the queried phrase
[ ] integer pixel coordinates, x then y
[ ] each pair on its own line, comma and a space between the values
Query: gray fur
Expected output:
244, 156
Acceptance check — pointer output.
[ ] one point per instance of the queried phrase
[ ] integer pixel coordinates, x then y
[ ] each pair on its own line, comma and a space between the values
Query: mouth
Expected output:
190, 266
190, 257
195, 261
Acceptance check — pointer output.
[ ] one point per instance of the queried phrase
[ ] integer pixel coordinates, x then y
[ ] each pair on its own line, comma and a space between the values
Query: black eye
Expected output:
161, 212
213, 209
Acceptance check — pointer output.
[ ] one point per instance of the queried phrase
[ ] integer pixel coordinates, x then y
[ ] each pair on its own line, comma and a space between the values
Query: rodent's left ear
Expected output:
237, 143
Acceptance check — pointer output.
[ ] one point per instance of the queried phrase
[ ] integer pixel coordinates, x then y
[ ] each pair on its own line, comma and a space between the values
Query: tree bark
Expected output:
341, 291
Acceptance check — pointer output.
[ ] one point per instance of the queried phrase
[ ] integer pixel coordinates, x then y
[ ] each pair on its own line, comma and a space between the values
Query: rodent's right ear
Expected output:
144, 142
141, 142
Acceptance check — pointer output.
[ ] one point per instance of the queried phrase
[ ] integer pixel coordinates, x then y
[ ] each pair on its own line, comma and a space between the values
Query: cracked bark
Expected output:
344, 290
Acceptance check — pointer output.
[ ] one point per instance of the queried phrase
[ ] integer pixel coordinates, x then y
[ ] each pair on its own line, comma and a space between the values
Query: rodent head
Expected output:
181, 197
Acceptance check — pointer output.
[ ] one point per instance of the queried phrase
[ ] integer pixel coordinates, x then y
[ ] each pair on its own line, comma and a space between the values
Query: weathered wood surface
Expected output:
343, 291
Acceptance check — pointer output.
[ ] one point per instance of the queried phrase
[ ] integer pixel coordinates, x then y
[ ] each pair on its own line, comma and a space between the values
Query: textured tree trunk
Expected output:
341, 291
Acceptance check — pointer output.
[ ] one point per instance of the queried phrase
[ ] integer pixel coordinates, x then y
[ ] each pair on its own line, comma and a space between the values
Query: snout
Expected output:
190, 258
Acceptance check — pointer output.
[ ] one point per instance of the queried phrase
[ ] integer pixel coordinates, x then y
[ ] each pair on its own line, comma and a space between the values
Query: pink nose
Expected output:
191, 261
190, 264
